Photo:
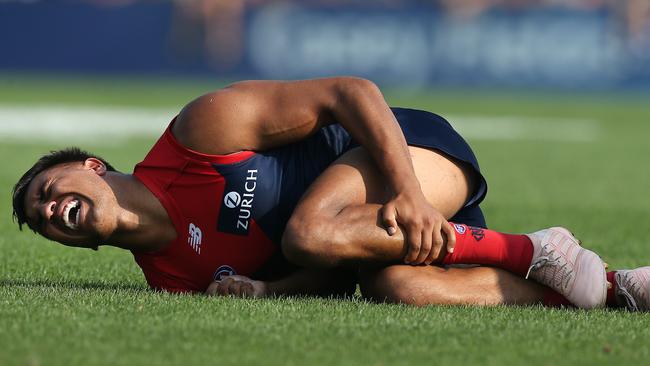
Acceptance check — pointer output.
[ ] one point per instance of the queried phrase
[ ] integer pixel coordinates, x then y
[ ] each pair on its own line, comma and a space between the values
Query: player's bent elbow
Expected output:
353, 87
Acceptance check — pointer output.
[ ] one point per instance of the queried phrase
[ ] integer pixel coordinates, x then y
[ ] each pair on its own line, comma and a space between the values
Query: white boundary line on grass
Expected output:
110, 125
526, 128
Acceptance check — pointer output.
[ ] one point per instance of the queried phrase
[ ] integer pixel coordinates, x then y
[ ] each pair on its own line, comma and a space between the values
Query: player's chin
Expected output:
78, 241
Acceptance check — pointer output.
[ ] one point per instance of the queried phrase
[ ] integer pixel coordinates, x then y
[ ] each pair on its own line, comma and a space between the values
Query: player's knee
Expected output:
304, 243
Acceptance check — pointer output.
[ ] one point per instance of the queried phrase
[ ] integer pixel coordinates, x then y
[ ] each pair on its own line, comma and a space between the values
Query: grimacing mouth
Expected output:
66, 218
71, 212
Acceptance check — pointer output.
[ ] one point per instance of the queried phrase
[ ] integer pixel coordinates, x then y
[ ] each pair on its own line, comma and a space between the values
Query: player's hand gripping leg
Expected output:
423, 224
339, 219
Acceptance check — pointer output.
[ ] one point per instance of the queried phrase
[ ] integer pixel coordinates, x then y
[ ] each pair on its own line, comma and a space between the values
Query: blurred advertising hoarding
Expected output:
414, 45
548, 48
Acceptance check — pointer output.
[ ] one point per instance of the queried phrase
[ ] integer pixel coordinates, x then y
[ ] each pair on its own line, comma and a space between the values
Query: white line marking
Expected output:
526, 128
110, 125
99, 124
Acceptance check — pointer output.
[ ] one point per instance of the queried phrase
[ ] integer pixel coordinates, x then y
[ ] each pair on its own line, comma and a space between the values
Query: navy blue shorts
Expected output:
426, 129
431, 131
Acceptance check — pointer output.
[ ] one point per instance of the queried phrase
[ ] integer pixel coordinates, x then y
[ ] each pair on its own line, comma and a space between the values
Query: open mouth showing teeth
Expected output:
71, 214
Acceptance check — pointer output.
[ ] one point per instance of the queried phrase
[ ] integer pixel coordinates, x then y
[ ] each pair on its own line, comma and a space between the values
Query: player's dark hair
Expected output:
67, 155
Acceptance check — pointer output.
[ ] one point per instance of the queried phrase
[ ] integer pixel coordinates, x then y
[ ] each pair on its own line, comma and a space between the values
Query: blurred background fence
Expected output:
550, 43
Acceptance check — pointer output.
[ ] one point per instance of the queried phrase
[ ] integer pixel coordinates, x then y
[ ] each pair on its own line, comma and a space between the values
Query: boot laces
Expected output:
631, 286
553, 269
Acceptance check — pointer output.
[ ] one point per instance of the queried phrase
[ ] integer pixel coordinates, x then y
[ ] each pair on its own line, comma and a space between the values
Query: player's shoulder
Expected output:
203, 112
215, 122
230, 102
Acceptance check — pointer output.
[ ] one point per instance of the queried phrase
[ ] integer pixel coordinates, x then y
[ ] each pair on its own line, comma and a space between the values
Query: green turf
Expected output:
61, 306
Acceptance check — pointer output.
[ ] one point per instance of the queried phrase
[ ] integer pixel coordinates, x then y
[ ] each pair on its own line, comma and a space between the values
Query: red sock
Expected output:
555, 300
611, 292
482, 246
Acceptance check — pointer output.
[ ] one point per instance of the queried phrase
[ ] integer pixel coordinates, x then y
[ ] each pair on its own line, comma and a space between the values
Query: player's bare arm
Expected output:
260, 115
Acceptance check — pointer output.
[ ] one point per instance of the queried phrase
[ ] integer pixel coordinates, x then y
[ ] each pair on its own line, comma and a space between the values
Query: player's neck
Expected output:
142, 222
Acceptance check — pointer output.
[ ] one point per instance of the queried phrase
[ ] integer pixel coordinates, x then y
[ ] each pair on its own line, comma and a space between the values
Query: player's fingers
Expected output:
234, 288
212, 289
413, 238
438, 241
431, 256
221, 290
224, 286
247, 290
389, 218
427, 243
450, 234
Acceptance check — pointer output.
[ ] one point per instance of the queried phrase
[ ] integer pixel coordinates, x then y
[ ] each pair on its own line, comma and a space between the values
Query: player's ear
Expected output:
96, 165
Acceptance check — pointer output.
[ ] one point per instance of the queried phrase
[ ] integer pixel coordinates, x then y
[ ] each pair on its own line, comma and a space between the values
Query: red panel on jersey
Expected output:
191, 190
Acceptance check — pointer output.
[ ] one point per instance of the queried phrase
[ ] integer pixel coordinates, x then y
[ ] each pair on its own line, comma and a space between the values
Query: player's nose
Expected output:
47, 209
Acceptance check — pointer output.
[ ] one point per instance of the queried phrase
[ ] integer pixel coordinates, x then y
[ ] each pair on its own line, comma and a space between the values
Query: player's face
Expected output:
72, 204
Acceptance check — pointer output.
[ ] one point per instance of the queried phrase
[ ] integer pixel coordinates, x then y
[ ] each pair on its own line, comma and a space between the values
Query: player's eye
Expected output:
43, 193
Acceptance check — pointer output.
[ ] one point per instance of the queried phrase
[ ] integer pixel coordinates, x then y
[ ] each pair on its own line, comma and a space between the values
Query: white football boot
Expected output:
560, 263
633, 288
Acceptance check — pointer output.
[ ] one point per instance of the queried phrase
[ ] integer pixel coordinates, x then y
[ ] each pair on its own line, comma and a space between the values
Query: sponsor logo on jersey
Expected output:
232, 199
222, 272
460, 228
237, 208
194, 238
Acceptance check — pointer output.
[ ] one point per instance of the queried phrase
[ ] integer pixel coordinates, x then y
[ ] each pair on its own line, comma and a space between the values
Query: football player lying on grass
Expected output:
305, 187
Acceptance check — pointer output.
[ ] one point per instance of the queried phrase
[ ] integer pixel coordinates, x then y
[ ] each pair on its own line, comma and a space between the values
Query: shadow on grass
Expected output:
73, 285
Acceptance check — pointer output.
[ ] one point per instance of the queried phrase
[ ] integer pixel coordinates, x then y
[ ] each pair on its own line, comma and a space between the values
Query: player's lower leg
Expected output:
552, 257
337, 222
433, 285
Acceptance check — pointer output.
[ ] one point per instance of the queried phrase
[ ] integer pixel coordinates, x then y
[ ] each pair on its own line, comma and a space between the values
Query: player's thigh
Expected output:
355, 179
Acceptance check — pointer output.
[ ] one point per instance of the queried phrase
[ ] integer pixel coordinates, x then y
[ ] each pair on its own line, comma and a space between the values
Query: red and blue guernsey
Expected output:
230, 211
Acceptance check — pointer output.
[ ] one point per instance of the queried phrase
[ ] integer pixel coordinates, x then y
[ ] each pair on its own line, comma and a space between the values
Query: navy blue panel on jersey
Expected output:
280, 178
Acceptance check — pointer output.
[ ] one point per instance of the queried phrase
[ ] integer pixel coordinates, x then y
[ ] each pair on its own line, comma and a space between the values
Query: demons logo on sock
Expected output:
477, 232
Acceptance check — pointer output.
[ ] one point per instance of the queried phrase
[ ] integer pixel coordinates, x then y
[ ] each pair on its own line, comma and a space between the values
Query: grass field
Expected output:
577, 160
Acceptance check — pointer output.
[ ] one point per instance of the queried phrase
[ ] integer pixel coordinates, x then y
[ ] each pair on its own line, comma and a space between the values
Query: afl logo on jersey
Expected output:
222, 272
232, 199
